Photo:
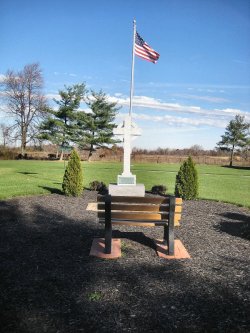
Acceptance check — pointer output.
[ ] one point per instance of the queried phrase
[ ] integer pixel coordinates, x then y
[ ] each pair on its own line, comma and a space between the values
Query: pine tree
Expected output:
60, 125
186, 185
73, 178
95, 128
236, 135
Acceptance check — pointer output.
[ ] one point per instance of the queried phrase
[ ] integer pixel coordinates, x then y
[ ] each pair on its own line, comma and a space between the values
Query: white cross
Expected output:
129, 131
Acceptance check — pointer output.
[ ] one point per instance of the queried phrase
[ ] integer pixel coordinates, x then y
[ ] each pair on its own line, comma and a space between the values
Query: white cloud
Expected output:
198, 87
2, 108
152, 103
65, 73
53, 96
181, 121
86, 110
2, 93
211, 99
176, 115
231, 111
2, 77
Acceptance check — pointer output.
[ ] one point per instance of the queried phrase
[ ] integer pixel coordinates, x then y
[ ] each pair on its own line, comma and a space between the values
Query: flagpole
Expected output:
132, 70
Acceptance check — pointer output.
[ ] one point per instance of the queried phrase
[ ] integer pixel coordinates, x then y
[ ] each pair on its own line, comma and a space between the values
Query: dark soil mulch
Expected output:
49, 283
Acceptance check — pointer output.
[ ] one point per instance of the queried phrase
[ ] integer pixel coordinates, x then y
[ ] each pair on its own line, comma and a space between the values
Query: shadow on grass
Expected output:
27, 173
239, 225
236, 167
52, 190
103, 191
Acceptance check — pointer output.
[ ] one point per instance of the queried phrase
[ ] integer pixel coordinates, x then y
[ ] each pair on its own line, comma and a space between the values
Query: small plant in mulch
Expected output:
98, 186
124, 248
186, 184
159, 189
73, 178
95, 296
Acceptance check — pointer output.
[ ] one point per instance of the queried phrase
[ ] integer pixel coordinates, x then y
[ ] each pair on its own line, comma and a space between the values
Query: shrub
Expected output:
7, 154
73, 178
159, 189
100, 187
186, 185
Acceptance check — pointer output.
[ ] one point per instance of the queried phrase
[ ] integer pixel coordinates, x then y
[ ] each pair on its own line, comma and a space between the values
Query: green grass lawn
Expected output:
19, 178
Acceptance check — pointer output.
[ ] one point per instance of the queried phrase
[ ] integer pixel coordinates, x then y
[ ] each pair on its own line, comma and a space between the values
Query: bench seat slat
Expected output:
137, 222
135, 215
178, 201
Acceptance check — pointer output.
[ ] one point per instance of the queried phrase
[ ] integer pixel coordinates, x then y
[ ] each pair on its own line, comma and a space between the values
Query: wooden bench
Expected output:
140, 211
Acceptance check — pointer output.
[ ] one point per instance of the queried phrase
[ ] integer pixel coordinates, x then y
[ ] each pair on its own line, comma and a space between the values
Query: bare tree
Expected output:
25, 101
6, 134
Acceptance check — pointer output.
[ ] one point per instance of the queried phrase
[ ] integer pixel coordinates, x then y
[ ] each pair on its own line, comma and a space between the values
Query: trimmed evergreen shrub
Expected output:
100, 187
186, 184
159, 189
73, 178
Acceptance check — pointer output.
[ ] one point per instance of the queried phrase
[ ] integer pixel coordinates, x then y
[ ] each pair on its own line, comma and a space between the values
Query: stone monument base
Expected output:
126, 180
137, 190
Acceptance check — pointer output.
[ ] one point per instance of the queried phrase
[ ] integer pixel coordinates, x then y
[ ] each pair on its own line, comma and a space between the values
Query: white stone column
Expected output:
127, 148
128, 130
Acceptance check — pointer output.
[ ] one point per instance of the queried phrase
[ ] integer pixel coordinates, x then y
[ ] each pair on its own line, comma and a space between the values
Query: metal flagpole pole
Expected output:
132, 70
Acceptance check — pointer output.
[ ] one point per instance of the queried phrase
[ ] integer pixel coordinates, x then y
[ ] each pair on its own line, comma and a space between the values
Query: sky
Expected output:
199, 84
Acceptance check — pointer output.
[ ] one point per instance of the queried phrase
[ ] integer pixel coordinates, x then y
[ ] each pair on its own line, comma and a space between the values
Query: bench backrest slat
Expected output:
177, 218
135, 215
139, 207
150, 200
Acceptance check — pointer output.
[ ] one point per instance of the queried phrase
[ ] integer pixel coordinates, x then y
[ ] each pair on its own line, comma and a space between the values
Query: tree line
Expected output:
67, 125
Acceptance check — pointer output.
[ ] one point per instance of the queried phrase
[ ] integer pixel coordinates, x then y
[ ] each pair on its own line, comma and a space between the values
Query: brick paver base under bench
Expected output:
179, 250
98, 245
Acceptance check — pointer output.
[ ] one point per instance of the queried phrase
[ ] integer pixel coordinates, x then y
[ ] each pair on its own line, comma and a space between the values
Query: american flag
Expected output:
143, 50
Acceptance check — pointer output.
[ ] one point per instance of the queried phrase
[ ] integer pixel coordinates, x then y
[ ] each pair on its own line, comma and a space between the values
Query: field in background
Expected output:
23, 177
115, 155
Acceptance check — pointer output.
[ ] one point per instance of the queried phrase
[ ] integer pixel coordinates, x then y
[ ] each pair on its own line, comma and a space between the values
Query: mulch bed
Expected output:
49, 283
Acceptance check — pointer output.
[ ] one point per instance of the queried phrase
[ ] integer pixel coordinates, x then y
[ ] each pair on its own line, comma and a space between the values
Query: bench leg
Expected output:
108, 225
165, 237
108, 236
169, 239
169, 228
